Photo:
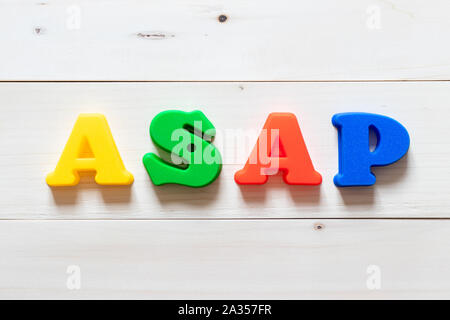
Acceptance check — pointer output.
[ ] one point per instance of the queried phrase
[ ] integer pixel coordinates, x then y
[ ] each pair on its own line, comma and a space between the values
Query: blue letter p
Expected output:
355, 157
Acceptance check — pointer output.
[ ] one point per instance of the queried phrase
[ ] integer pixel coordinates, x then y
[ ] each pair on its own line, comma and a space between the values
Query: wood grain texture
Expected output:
223, 241
38, 118
269, 259
260, 40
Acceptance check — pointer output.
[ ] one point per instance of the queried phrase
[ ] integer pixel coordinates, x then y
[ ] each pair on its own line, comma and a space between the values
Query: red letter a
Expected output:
280, 146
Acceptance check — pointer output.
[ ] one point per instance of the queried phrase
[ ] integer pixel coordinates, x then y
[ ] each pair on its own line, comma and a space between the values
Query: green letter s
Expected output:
186, 135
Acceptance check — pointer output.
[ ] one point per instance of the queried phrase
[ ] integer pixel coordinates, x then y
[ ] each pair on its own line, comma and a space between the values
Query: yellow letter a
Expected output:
90, 147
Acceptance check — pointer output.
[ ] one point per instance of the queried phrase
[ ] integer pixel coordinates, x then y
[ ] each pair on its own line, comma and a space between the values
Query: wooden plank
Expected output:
260, 40
225, 259
38, 118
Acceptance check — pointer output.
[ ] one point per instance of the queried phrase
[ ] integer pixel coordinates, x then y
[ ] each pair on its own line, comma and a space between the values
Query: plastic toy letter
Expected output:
90, 147
355, 157
186, 137
280, 147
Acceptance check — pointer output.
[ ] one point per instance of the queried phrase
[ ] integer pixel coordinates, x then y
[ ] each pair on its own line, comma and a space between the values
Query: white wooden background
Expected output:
132, 59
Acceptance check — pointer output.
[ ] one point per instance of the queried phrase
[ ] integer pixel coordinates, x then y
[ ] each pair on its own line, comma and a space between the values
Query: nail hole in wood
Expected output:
38, 30
318, 226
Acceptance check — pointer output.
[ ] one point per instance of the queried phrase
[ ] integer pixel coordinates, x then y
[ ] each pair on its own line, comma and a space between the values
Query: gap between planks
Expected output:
226, 219
219, 81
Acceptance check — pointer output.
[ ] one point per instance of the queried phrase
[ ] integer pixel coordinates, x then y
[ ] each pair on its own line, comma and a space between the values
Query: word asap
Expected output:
196, 162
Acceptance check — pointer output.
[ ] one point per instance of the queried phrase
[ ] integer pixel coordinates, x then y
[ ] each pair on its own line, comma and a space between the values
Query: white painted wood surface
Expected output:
260, 40
225, 259
40, 117
223, 241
